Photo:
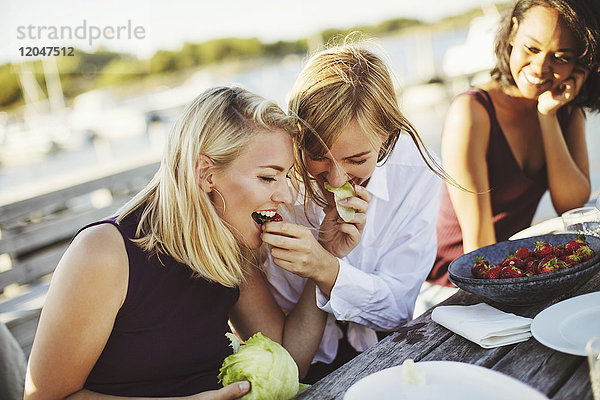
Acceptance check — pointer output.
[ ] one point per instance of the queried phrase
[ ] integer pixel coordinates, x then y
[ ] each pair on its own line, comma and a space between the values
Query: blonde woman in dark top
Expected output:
139, 304
524, 131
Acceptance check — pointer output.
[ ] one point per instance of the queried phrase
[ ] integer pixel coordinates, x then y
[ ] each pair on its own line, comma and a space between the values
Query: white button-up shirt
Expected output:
379, 280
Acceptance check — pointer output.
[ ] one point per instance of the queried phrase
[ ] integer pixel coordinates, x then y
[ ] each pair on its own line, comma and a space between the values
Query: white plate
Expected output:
568, 325
444, 380
552, 225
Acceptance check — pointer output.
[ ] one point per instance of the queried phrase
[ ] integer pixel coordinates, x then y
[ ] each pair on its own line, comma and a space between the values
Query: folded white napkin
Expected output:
483, 324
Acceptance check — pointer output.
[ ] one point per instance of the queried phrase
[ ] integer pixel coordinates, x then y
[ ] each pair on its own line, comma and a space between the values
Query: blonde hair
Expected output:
337, 85
177, 217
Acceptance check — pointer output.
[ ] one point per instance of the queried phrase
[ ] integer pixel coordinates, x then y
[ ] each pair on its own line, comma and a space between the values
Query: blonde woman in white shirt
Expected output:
353, 131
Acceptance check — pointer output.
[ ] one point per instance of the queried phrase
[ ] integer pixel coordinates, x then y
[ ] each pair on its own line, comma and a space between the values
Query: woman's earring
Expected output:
222, 199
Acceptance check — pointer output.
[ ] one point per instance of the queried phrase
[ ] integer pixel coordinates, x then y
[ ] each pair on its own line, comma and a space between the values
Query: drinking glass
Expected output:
584, 220
593, 354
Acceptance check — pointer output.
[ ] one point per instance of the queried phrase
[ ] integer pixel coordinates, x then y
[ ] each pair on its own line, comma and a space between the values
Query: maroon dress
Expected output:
514, 197
168, 337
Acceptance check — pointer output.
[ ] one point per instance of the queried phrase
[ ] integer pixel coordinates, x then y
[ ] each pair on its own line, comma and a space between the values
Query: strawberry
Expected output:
549, 266
560, 251
532, 267
517, 262
543, 261
262, 219
524, 253
585, 253
530, 259
547, 269
493, 272
480, 267
572, 259
513, 260
510, 272
576, 243
543, 249
507, 259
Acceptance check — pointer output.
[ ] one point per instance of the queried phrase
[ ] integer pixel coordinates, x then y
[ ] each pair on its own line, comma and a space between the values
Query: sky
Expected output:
145, 26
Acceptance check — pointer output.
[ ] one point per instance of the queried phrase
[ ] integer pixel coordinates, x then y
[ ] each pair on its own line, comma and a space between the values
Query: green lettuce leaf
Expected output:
343, 192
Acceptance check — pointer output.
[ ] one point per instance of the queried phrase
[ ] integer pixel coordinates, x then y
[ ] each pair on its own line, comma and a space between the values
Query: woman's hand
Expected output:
295, 249
229, 392
551, 101
340, 237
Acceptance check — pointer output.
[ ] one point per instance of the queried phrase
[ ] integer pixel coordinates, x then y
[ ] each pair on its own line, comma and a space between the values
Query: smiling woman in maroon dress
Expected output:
523, 132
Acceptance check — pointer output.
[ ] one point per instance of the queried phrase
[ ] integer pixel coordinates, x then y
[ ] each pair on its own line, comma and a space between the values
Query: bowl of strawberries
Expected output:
529, 270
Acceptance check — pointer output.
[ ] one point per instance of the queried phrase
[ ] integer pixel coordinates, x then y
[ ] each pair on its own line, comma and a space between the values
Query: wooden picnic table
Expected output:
558, 375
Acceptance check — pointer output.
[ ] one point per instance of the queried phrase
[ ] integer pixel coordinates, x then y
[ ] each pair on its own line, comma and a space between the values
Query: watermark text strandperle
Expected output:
84, 31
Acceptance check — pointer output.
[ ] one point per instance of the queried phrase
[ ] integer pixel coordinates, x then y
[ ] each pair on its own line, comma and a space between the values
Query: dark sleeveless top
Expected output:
168, 338
514, 197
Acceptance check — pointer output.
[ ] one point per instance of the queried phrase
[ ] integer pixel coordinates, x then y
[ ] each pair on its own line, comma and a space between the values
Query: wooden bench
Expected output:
35, 232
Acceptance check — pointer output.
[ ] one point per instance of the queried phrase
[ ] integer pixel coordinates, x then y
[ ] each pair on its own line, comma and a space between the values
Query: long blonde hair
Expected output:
177, 217
337, 85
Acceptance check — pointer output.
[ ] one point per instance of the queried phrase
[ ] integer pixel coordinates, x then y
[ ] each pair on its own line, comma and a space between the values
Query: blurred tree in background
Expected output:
333, 36
163, 61
11, 90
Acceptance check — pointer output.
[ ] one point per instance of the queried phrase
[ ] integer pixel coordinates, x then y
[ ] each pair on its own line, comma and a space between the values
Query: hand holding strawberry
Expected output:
295, 249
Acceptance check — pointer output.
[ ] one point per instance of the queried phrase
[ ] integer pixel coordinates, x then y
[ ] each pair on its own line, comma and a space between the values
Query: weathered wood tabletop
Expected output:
557, 375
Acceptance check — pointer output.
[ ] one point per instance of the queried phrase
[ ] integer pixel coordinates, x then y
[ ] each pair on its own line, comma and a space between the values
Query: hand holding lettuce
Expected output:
268, 366
343, 192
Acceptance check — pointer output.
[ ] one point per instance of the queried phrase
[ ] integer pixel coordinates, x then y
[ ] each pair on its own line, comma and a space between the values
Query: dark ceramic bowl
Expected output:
524, 290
